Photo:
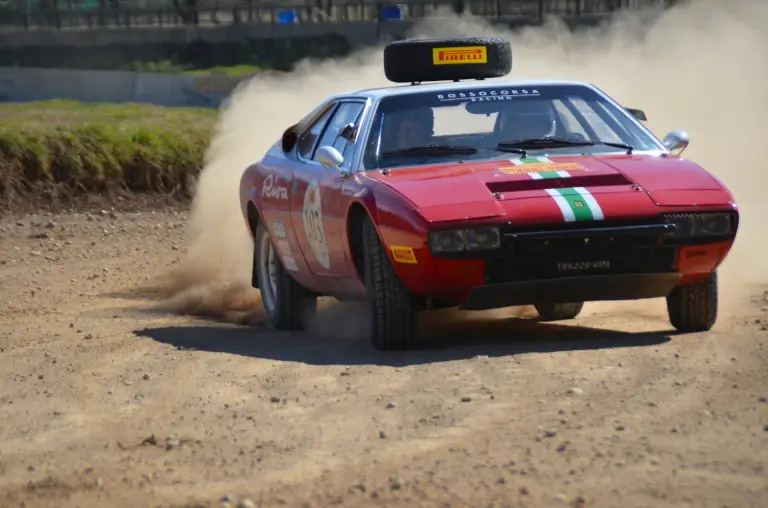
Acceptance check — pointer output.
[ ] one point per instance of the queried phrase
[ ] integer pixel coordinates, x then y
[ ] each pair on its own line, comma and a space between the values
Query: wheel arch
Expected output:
253, 218
356, 215
383, 205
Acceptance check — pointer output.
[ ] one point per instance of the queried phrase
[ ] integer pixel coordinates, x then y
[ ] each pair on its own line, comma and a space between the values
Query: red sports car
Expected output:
480, 194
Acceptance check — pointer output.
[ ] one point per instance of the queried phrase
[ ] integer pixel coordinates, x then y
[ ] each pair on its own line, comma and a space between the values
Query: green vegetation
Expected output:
170, 67
62, 149
235, 70
195, 56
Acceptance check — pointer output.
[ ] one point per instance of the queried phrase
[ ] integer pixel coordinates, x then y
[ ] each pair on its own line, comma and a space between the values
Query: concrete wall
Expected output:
19, 84
357, 33
33, 84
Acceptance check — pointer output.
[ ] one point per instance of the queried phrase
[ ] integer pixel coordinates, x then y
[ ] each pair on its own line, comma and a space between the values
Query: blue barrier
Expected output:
392, 12
286, 17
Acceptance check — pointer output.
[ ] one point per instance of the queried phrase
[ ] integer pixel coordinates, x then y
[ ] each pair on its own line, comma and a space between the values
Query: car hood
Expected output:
621, 186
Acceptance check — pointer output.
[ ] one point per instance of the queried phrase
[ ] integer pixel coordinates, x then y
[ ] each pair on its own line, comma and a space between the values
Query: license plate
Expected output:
582, 266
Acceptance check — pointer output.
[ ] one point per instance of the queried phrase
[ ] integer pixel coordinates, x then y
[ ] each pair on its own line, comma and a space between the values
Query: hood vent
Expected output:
503, 186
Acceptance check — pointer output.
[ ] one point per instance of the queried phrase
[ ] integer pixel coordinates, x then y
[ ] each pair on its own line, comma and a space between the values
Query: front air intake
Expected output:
502, 186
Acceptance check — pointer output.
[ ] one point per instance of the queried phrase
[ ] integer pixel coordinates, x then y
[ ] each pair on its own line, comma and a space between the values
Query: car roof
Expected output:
407, 89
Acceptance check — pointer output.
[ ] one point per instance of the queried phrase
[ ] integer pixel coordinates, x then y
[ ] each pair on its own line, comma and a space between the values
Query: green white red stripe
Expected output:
577, 204
540, 175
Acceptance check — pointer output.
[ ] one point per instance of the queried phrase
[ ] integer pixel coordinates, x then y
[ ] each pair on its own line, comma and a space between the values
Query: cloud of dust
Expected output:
699, 67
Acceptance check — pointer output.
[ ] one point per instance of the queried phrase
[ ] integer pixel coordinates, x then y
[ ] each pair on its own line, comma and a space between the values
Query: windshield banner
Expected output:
489, 95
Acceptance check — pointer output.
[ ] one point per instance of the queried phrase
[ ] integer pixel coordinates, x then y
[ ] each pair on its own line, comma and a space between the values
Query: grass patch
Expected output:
235, 70
166, 66
56, 151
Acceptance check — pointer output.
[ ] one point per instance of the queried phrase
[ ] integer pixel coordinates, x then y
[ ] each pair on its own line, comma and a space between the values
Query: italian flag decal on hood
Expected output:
576, 204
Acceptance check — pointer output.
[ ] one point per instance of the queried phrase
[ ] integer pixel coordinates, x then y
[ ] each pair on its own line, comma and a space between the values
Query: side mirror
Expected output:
639, 114
676, 140
289, 138
348, 132
329, 157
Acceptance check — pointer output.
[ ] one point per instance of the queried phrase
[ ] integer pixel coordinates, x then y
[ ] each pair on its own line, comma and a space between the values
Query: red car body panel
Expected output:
405, 203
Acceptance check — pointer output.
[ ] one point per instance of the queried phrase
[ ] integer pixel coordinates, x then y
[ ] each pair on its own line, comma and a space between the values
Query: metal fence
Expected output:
87, 14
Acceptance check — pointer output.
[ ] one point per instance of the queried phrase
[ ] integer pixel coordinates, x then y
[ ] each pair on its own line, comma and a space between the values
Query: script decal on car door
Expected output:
312, 215
271, 188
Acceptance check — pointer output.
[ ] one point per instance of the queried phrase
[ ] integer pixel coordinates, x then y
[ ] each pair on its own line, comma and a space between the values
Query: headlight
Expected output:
464, 240
697, 225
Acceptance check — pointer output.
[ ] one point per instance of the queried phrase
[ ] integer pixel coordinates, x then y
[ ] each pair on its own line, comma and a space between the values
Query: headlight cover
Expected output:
451, 241
700, 225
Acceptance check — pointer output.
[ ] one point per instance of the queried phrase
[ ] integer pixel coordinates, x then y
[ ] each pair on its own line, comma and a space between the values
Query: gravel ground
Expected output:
107, 398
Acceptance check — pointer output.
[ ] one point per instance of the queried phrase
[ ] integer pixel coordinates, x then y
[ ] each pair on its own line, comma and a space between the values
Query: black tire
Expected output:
693, 307
391, 316
412, 61
559, 311
291, 306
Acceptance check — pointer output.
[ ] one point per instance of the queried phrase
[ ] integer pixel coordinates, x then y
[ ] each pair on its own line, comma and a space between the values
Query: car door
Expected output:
316, 214
340, 136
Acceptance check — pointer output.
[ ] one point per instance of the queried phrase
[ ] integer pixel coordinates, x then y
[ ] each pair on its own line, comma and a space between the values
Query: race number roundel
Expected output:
313, 224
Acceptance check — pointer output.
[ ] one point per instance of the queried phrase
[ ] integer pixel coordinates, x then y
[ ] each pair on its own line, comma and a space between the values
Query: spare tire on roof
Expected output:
411, 61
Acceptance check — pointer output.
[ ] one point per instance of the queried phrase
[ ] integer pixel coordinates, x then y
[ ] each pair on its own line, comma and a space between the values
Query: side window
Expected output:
346, 147
307, 140
347, 113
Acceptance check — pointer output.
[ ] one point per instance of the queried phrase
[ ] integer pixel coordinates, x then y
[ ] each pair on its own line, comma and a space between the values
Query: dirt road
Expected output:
108, 400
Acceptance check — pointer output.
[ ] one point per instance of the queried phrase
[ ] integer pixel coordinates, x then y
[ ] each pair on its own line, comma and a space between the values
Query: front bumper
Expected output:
589, 288
609, 260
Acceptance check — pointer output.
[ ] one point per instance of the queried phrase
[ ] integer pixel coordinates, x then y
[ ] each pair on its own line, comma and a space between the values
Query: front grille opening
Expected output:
567, 226
528, 259
529, 264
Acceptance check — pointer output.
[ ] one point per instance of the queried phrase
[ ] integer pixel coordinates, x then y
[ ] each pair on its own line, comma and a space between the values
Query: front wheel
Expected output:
391, 315
693, 308
559, 311
288, 305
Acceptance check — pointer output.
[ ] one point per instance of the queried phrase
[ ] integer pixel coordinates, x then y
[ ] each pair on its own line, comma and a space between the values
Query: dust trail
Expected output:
698, 67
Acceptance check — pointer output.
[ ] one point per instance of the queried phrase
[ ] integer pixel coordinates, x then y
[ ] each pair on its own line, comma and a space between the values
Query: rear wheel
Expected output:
559, 311
693, 308
391, 314
289, 306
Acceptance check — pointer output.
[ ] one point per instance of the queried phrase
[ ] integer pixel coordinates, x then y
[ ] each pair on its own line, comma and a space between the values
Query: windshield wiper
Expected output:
624, 146
553, 142
433, 150
547, 142
512, 149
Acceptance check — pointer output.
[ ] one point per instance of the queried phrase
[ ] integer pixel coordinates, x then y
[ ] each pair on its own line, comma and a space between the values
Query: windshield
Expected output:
485, 123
